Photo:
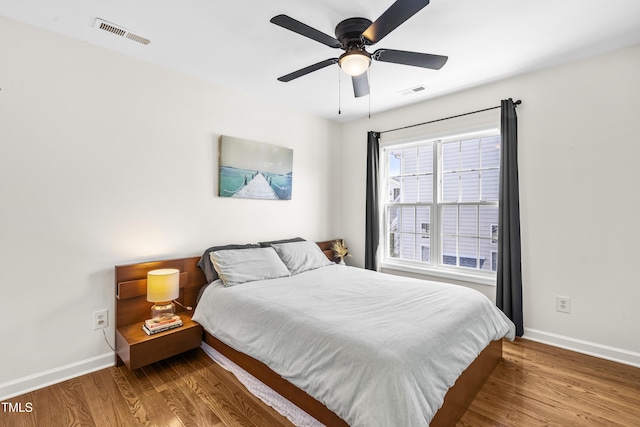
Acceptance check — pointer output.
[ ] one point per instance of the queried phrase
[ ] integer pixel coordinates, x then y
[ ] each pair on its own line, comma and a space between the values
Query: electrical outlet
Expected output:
563, 304
101, 319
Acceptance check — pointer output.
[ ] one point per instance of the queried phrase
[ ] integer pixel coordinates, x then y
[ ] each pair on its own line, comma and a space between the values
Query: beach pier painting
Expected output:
254, 170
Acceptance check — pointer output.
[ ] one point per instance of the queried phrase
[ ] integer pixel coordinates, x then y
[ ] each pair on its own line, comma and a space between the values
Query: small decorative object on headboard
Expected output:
340, 250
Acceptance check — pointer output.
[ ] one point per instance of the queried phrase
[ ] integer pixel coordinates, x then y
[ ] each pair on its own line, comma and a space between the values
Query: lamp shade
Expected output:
354, 62
163, 285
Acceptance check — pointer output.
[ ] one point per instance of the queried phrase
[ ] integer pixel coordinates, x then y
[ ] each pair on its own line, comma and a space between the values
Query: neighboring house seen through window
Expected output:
441, 203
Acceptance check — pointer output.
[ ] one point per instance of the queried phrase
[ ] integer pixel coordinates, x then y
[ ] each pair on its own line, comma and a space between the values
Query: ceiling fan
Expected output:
353, 35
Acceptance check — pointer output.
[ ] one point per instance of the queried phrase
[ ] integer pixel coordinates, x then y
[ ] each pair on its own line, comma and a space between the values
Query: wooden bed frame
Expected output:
136, 309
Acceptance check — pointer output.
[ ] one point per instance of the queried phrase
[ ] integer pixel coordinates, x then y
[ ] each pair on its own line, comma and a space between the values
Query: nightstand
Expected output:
137, 349
134, 348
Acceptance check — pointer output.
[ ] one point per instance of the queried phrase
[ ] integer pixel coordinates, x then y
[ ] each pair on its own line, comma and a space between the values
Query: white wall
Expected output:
579, 175
107, 160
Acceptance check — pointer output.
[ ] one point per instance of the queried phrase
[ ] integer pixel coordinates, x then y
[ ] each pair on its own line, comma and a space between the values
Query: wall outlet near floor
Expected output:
563, 304
101, 319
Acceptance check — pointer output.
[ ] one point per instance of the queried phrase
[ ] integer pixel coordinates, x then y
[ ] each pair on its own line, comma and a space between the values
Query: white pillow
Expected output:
301, 256
236, 266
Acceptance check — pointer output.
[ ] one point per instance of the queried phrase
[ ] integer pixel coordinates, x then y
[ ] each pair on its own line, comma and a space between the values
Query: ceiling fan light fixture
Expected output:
355, 62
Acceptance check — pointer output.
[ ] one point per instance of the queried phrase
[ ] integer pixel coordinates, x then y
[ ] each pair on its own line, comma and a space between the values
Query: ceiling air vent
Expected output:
120, 31
413, 90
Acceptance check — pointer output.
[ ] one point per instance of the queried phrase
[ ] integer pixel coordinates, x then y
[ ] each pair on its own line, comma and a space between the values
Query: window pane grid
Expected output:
410, 172
469, 235
466, 165
409, 231
442, 204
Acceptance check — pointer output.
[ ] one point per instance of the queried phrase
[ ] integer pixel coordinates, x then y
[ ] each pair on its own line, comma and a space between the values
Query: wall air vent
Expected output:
120, 31
413, 90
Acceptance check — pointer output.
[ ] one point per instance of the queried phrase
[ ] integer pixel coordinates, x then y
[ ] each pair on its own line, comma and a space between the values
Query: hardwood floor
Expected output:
186, 390
535, 385
539, 385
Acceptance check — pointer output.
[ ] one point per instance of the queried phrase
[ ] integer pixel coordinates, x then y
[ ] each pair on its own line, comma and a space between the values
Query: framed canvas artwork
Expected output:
254, 170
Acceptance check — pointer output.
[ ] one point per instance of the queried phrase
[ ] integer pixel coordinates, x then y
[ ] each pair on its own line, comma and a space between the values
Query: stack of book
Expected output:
161, 324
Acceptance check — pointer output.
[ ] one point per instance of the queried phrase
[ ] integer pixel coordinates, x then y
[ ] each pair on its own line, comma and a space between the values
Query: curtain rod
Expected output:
516, 103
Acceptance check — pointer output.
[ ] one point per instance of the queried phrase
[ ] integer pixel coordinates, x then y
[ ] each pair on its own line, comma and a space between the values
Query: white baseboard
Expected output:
592, 349
52, 376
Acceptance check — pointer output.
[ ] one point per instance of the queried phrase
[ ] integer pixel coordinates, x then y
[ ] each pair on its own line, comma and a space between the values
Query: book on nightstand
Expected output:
158, 330
155, 325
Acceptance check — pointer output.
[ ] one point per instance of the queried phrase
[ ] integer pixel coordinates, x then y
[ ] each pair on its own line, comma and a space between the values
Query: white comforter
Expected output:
377, 349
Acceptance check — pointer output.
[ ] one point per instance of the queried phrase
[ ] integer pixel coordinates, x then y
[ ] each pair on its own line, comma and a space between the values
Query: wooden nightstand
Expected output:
137, 349
134, 348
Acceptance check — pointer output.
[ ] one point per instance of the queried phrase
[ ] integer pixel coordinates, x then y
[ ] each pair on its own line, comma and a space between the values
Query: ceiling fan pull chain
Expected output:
369, 76
339, 93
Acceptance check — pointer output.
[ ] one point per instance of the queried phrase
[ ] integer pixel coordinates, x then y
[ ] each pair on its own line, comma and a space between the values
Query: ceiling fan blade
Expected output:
361, 84
307, 70
424, 60
391, 19
291, 24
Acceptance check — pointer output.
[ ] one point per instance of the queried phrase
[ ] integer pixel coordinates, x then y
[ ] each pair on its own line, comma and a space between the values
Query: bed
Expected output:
320, 330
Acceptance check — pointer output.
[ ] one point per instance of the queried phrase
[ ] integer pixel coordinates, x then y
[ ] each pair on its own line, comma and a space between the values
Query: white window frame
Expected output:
419, 267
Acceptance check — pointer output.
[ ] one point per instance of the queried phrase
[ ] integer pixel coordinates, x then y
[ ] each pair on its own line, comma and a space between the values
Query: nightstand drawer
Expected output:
137, 349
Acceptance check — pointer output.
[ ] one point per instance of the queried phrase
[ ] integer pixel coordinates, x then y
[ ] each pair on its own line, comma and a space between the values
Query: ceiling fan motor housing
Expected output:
349, 32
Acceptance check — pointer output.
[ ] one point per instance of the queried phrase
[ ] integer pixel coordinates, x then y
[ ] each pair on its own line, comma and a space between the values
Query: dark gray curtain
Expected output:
372, 225
509, 275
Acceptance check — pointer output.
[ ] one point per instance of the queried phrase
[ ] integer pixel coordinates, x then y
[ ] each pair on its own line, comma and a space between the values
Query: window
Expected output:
441, 203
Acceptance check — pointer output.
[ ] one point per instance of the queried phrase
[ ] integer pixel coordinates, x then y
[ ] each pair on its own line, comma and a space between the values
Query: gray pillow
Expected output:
277, 242
301, 256
205, 260
247, 265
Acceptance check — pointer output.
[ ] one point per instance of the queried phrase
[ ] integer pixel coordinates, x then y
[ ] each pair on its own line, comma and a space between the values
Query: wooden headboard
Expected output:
131, 285
326, 248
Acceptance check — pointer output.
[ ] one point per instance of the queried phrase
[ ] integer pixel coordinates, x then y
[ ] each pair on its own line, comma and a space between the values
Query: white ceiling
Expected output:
232, 43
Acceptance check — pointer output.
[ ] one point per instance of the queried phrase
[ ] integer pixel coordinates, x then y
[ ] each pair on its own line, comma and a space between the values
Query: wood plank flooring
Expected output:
535, 385
539, 385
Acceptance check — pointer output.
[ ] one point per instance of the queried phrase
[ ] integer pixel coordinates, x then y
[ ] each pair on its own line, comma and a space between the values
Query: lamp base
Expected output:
163, 310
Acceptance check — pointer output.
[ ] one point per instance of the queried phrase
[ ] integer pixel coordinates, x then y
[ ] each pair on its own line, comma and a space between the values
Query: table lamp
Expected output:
163, 286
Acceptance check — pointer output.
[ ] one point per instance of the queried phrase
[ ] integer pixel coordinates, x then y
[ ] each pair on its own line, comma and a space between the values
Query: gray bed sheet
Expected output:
377, 349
